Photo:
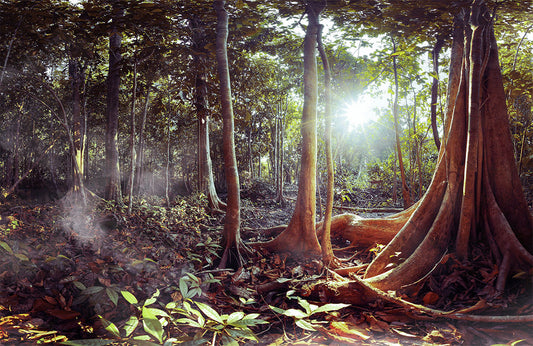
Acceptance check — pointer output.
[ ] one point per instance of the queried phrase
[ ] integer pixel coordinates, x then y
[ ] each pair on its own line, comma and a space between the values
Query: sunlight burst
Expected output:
360, 111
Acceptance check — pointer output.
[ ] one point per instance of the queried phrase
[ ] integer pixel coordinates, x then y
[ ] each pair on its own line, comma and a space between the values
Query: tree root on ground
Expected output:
358, 292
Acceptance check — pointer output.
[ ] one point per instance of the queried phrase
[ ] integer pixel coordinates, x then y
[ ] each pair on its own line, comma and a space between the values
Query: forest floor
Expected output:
101, 276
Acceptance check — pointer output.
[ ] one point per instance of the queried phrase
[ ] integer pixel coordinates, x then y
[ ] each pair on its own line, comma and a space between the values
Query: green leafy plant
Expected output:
153, 320
190, 285
212, 247
302, 317
229, 328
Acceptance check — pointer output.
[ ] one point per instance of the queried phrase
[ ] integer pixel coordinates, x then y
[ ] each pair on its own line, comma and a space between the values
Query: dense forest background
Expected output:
117, 188
55, 61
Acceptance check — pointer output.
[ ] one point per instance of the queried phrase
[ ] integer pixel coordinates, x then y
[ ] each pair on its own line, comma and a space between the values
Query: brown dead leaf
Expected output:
431, 298
395, 315
63, 314
50, 300
105, 282
349, 330
375, 324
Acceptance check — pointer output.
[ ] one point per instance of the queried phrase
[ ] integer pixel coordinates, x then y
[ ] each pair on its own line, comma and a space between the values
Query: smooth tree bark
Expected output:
280, 198
133, 154
112, 169
475, 197
77, 79
140, 145
231, 239
300, 236
206, 181
405, 190
435, 53
327, 251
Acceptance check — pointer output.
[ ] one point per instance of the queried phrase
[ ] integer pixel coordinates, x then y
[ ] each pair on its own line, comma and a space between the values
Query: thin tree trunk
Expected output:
132, 138
77, 76
206, 182
167, 165
140, 144
231, 239
405, 190
435, 90
327, 251
112, 169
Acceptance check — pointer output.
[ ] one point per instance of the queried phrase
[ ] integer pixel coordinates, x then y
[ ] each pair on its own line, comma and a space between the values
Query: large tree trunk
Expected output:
206, 182
300, 235
475, 196
112, 169
231, 239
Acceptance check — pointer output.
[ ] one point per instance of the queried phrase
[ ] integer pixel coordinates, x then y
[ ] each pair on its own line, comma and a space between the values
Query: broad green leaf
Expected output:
22, 257
305, 304
189, 322
305, 325
112, 294
330, 307
131, 325
110, 326
234, 317
154, 327
250, 316
276, 309
296, 313
209, 312
290, 293
152, 299
93, 290
243, 333
184, 288
130, 298
171, 305
6, 247
154, 312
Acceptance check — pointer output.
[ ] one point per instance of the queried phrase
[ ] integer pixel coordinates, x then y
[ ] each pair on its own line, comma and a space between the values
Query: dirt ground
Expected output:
63, 270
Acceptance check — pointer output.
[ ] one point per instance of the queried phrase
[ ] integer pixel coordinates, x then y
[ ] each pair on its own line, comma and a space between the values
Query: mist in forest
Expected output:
78, 221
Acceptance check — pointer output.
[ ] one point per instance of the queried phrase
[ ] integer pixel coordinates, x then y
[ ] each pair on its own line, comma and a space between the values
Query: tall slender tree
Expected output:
112, 167
327, 252
231, 240
206, 181
300, 235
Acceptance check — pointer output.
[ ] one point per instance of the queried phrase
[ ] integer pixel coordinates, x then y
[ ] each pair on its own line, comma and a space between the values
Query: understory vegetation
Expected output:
149, 277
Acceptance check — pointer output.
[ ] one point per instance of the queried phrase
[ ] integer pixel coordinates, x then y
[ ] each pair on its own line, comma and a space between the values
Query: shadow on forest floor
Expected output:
63, 273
